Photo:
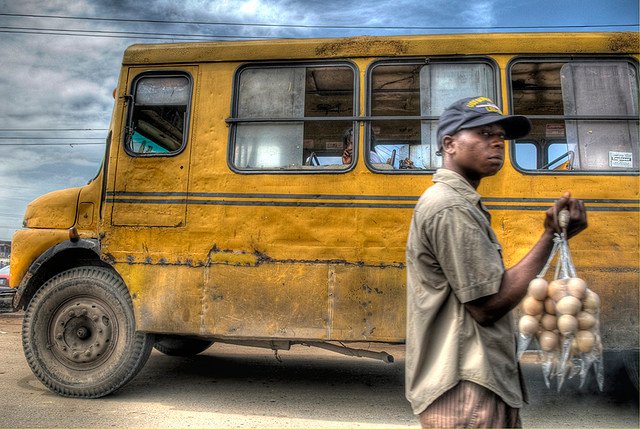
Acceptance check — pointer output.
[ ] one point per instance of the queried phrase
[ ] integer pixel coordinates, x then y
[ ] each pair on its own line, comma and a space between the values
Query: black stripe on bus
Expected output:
345, 197
332, 204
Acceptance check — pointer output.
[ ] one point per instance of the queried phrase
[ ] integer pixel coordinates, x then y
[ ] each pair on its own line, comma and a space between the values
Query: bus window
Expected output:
405, 100
527, 154
158, 115
584, 114
292, 117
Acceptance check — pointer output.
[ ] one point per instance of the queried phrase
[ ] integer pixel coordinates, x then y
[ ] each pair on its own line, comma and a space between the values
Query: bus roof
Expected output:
385, 46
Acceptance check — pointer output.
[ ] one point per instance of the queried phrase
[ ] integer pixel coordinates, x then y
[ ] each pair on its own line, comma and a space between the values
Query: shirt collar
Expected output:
458, 183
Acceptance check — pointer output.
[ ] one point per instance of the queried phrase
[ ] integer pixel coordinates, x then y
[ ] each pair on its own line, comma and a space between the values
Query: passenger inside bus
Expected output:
347, 152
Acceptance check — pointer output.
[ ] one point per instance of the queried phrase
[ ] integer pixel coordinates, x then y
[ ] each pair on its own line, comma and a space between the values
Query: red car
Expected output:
4, 277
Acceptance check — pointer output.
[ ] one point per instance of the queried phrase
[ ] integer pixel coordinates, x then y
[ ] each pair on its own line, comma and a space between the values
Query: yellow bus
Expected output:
224, 211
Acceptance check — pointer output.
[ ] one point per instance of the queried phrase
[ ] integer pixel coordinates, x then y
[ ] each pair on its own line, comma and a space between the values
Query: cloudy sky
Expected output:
60, 61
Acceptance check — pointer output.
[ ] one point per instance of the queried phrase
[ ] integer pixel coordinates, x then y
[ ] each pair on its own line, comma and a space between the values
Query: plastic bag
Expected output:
563, 316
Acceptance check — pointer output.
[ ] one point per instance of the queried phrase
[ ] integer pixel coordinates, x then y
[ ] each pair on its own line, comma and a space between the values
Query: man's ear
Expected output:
448, 145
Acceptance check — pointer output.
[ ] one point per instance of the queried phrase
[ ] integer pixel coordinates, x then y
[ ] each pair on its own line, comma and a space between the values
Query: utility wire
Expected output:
359, 27
50, 144
50, 129
121, 34
49, 138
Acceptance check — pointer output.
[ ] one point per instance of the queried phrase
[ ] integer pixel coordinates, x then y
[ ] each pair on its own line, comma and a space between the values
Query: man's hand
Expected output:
347, 155
577, 215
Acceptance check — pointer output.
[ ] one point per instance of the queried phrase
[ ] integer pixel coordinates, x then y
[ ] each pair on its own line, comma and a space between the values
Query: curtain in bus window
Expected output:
270, 93
440, 86
601, 89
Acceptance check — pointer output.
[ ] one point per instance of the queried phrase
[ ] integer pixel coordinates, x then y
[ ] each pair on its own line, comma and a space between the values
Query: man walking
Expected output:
461, 367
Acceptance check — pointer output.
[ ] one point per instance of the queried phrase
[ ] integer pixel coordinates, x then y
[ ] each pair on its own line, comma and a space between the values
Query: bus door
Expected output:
151, 176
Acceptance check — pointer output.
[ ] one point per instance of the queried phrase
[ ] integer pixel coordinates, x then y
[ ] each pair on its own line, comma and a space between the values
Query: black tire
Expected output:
631, 360
173, 345
79, 335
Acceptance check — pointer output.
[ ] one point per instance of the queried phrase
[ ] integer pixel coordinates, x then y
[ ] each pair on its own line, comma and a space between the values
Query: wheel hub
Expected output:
82, 332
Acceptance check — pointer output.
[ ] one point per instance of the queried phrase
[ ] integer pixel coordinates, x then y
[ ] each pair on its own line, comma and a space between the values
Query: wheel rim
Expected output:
83, 333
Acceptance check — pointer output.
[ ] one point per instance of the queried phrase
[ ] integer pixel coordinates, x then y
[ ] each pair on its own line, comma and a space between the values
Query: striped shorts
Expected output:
469, 405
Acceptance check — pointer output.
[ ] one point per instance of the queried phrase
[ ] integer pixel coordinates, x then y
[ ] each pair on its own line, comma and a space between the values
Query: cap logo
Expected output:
483, 102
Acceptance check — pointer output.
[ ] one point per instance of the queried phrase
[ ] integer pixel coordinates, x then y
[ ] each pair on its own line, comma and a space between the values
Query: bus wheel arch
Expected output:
59, 258
79, 334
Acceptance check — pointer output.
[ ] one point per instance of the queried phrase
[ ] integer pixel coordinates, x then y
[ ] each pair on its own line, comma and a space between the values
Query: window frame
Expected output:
233, 118
370, 120
130, 100
567, 59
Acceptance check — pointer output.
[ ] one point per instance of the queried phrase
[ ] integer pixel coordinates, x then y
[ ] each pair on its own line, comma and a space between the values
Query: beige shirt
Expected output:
454, 257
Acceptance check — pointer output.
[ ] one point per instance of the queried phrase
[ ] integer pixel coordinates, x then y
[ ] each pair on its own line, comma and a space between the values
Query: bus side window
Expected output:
292, 117
158, 114
527, 154
584, 114
405, 100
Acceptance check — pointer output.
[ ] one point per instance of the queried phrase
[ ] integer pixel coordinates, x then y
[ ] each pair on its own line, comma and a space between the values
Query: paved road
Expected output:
230, 386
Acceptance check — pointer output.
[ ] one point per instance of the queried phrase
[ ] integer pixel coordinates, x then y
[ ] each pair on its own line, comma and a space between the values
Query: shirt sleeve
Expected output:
468, 256
375, 158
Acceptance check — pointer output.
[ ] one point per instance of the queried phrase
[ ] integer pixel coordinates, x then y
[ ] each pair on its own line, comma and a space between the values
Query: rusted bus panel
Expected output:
245, 234
272, 300
166, 298
369, 303
285, 300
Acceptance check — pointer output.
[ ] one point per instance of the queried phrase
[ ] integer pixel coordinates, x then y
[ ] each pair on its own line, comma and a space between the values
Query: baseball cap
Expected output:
477, 111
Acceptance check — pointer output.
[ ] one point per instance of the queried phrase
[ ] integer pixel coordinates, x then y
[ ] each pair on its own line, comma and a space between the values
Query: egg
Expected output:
528, 325
532, 306
576, 287
591, 302
548, 341
568, 305
586, 340
538, 288
550, 306
586, 320
567, 324
557, 289
574, 347
549, 322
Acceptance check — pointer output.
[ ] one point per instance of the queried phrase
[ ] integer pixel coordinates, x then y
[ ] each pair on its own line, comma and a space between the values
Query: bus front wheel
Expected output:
79, 335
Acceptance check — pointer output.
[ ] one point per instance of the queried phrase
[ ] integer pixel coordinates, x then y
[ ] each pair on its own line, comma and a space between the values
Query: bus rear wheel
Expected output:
173, 345
79, 335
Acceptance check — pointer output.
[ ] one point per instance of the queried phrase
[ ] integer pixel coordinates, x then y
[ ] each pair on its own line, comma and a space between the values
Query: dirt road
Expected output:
229, 386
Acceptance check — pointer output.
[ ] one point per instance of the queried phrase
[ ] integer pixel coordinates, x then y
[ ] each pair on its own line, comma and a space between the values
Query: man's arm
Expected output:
513, 288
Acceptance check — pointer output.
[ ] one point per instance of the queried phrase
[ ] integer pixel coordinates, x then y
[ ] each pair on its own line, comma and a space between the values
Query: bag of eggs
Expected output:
563, 316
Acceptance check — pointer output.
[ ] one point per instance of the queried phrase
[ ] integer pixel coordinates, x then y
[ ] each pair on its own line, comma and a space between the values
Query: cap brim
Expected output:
515, 126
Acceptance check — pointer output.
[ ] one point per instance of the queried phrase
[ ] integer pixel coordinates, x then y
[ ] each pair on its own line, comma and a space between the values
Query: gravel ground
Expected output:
231, 386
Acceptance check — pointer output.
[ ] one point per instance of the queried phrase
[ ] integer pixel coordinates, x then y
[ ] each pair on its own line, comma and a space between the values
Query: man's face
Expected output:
478, 152
347, 152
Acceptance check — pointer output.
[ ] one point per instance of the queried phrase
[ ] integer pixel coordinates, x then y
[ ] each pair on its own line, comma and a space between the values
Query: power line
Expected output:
50, 144
51, 129
121, 34
48, 138
356, 27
